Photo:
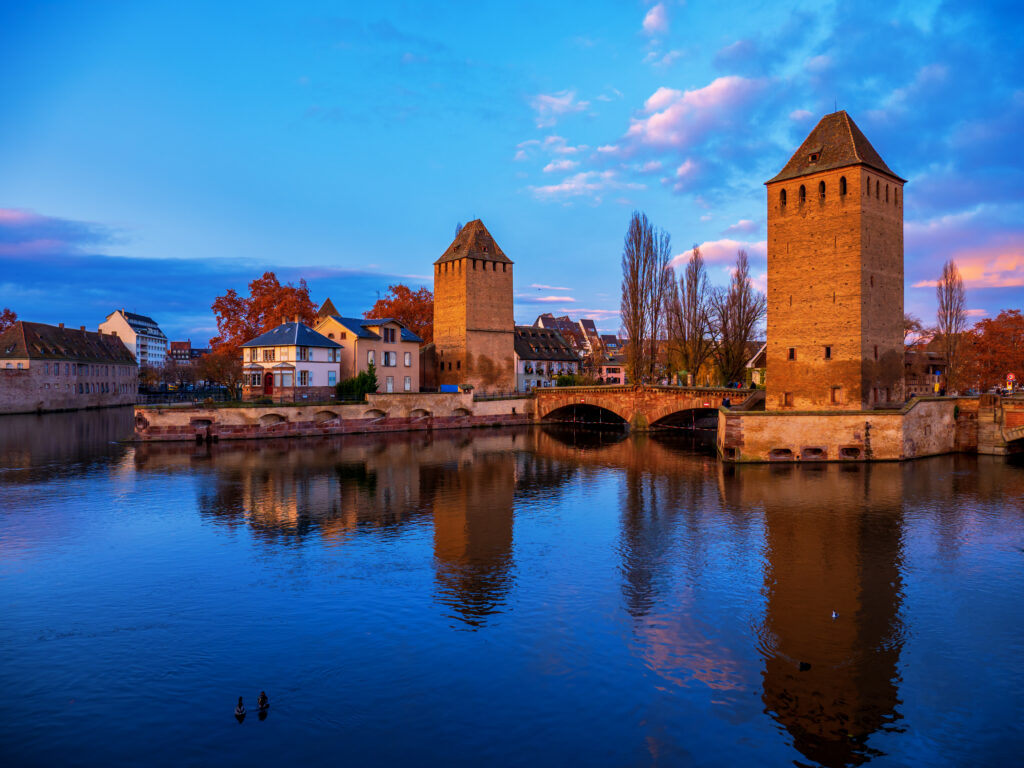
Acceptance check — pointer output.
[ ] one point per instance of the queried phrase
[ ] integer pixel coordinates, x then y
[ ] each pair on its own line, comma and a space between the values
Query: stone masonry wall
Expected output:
835, 278
32, 389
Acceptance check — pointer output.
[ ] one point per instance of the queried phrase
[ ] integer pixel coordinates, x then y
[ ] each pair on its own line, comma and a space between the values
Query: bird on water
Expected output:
240, 709
263, 701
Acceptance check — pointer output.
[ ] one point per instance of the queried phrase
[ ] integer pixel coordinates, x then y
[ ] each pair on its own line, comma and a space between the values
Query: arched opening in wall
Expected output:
782, 198
703, 419
200, 423
878, 187
581, 437
842, 185
803, 194
887, 193
780, 454
813, 454
461, 413
321, 416
867, 186
374, 413
583, 414
419, 413
821, 190
269, 419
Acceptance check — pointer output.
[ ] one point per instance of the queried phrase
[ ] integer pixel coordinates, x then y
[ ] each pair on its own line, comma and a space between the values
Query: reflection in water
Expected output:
833, 543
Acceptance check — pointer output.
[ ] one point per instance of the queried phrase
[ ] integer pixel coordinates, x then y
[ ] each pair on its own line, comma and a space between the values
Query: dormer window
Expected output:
813, 157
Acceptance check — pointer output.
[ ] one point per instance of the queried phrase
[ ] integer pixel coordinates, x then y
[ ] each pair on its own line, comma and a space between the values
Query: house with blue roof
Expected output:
289, 364
386, 343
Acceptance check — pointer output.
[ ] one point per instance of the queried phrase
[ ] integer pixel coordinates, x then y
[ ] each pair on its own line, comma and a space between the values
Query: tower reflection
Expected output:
832, 543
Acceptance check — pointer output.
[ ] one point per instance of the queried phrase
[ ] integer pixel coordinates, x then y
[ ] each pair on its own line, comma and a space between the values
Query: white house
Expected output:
290, 363
140, 334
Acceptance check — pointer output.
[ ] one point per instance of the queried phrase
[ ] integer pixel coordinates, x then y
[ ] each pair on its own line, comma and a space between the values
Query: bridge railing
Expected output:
731, 392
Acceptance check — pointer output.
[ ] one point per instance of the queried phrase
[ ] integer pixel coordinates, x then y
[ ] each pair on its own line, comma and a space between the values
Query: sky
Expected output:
153, 155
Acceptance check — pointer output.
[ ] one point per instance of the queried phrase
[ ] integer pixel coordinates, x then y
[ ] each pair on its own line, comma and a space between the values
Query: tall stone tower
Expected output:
835, 275
474, 326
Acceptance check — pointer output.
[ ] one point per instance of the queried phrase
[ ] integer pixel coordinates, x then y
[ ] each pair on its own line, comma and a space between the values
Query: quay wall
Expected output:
924, 427
380, 413
33, 390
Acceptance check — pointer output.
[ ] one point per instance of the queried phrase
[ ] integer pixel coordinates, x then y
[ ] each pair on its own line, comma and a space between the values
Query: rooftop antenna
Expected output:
835, 104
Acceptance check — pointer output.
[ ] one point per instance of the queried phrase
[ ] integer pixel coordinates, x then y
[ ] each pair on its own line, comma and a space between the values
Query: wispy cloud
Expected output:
586, 183
542, 287
560, 165
656, 20
526, 298
743, 227
549, 107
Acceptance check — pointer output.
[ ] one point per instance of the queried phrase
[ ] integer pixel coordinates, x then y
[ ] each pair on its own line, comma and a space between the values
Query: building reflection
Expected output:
464, 484
832, 543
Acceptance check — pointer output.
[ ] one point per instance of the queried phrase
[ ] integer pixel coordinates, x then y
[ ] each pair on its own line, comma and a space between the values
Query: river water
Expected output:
500, 597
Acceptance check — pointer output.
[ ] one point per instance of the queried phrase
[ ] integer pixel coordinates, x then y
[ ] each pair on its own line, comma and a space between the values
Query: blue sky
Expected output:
153, 155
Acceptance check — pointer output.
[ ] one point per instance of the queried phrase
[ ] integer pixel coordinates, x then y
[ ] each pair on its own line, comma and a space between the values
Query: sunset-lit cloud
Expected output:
528, 299
549, 107
656, 20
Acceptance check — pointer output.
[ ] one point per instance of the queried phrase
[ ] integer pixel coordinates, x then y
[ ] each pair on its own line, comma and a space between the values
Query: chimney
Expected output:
61, 325
81, 327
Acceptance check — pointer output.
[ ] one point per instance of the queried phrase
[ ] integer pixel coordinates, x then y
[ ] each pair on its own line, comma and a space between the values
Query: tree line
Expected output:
694, 322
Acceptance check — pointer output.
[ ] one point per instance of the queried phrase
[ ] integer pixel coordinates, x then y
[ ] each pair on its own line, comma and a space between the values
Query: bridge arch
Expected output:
690, 416
585, 413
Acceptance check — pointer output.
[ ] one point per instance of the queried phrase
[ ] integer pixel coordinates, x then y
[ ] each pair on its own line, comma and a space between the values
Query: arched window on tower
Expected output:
895, 197
782, 198
803, 194
842, 185
821, 189
887, 193
867, 187
878, 189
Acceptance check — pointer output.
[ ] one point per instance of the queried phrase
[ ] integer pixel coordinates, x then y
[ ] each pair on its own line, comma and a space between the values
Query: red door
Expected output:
268, 383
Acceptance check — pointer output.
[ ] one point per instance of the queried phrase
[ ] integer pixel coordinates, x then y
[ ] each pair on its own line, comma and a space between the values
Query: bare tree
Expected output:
687, 316
646, 277
951, 319
458, 228
735, 314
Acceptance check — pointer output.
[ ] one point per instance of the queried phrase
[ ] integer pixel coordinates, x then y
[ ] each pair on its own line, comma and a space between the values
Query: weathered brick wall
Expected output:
31, 389
835, 278
474, 323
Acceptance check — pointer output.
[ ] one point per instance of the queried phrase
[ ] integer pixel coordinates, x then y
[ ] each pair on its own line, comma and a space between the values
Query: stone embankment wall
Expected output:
32, 390
380, 413
924, 427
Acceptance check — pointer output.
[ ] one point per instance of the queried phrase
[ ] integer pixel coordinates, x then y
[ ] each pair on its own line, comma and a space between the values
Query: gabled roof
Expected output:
38, 341
292, 335
534, 343
474, 242
140, 323
326, 309
360, 326
837, 142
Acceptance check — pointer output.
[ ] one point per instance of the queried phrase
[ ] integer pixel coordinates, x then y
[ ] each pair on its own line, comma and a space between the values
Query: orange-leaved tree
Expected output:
7, 318
995, 348
413, 309
242, 318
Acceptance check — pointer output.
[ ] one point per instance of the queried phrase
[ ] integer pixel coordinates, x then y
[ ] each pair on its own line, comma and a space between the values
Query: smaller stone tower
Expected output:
474, 326
835, 275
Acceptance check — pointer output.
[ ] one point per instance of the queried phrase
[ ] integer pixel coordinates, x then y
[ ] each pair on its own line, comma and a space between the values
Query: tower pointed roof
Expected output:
835, 142
326, 309
474, 242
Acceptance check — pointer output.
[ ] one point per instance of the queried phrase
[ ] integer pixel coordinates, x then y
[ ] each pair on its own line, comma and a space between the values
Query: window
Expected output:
887, 193
47, 369
389, 335
330, 336
787, 399
821, 189
268, 355
390, 359
782, 198
408, 383
895, 196
408, 359
342, 335
876, 351
389, 384
828, 353
303, 354
332, 378
813, 157
304, 378
370, 357
792, 353
842, 185
284, 353
458, 365
837, 395
878, 187
803, 194
871, 281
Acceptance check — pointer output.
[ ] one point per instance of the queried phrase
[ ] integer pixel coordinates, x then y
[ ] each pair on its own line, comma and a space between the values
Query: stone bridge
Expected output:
1000, 425
641, 407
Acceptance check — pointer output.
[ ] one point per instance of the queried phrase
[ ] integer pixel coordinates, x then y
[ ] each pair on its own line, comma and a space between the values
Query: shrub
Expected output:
358, 386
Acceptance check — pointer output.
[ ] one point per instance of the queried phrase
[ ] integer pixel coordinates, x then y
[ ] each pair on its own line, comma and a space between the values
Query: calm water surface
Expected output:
500, 598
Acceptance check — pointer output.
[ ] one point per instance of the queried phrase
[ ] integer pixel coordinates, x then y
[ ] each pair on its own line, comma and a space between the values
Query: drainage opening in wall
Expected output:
850, 452
780, 454
730, 453
813, 454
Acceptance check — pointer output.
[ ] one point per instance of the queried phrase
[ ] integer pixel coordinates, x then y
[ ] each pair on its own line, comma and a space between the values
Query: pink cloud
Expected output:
528, 299
550, 106
656, 20
724, 252
681, 119
998, 265
743, 227
560, 165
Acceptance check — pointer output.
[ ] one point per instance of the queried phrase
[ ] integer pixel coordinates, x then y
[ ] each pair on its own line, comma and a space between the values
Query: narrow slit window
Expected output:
803, 194
792, 353
842, 185
821, 189
828, 353
782, 198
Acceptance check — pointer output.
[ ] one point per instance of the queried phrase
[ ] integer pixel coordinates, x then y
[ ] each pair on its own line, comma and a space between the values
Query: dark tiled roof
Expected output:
474, 242
360, 327
565, 326
837, 142
38, 341
610, 340
142, 323
533, 343
292, 335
